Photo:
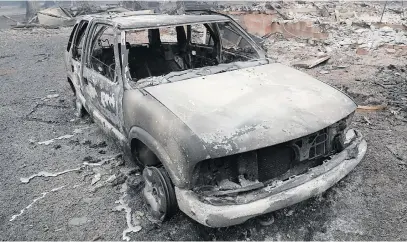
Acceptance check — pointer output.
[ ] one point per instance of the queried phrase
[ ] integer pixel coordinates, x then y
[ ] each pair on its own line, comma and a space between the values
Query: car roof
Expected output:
159, 20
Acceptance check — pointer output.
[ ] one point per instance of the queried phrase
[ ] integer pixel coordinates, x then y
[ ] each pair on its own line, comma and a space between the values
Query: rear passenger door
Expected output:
68, 53
101, 75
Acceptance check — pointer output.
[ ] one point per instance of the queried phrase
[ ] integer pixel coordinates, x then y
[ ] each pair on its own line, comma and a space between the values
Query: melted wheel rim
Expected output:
155, 192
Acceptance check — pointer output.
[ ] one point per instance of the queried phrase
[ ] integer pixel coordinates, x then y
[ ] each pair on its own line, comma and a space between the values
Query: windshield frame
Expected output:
124, 52
246, 35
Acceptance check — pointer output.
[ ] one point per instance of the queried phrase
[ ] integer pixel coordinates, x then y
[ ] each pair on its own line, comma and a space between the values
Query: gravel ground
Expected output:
369, 204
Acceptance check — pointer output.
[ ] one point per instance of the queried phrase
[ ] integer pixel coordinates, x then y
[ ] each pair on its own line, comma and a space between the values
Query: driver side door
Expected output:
101, 76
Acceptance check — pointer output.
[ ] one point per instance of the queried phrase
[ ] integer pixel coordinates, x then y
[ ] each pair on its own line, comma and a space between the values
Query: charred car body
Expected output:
221, 131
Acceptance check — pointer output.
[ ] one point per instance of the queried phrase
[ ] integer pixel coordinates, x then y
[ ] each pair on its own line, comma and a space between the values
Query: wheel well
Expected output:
141, 151
72, 86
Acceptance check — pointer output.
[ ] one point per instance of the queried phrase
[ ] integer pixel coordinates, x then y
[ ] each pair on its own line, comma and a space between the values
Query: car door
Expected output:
76, 52
68, 52
101, 75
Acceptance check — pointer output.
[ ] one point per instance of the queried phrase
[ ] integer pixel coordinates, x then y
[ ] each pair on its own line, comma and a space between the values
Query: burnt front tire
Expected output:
159, 193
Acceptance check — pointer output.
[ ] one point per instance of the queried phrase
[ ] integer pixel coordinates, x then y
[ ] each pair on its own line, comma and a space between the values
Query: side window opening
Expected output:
101, 55
79, 41
155, 52
71, 37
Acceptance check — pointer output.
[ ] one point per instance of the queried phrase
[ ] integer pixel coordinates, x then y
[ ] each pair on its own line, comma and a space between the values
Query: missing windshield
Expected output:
160, 51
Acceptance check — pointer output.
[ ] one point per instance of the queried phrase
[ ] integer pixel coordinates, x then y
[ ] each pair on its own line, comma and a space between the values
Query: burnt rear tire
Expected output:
78, 107
159, 193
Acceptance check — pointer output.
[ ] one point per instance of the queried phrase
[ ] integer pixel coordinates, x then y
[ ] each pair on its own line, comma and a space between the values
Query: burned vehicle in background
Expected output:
220, 131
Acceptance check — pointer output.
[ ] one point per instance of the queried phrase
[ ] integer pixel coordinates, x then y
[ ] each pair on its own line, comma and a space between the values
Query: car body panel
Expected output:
252, 108
104, 94
196, 118
177, 146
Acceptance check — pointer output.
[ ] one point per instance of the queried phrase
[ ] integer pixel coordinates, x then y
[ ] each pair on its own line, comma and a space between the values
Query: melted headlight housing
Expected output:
344, 134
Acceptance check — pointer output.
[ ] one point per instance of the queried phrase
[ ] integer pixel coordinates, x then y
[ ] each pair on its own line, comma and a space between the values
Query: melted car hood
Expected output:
252, 108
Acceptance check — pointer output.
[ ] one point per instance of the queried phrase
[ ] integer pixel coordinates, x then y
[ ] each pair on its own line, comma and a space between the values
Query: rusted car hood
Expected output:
251, 108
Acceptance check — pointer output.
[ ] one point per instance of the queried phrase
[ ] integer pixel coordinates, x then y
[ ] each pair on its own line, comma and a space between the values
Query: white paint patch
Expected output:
52, 96
227, 147
47, 142
107, 100
110, 179
33, 202
96, 178
47, 174
132, 222
91, 91
102, 162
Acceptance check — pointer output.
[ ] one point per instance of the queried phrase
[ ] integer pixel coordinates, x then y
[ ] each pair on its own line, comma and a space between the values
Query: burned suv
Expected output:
220, 131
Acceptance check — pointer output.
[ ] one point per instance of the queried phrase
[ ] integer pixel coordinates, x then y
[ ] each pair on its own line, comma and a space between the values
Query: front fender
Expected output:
178, 148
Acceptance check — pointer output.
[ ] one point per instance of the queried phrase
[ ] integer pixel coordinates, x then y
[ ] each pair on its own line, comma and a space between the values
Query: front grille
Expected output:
275, 161
311, 146
269, 162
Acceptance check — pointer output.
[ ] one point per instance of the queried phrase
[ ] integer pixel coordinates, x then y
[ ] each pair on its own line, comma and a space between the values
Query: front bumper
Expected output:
307, 185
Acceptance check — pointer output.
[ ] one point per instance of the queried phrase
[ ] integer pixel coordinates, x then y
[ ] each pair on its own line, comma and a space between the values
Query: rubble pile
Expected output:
339, 20
332, 27
393, 80
373, 37
243, 6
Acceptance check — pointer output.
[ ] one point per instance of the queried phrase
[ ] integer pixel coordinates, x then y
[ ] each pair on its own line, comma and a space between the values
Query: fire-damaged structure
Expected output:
220, 130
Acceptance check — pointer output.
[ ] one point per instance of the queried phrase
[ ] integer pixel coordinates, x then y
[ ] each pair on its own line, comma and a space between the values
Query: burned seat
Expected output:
183, 50
156, 58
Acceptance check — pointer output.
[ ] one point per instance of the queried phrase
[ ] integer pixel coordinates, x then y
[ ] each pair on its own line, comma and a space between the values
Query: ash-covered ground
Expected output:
81, 190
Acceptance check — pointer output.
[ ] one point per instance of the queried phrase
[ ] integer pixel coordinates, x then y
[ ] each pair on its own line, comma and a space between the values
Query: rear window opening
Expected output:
160, 51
